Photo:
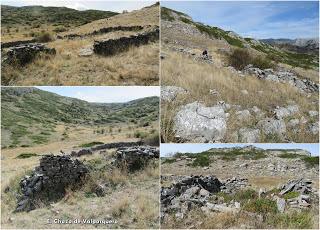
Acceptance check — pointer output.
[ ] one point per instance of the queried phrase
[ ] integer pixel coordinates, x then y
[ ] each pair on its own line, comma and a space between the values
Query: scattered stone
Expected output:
293, 123
169, 93
86, 52
281, 204
314, 128
244, 92
196, 122
243, 115
283, 112
313, 113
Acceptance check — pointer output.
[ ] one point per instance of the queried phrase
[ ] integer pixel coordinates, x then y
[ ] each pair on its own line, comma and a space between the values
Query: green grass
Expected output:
167, 161
26, 155
241, 196
311, 161
90, 144
291, 195
292, 220
201, 160
262, 206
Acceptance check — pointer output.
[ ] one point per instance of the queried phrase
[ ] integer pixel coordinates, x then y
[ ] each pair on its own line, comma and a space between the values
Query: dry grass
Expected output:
199, 78
132, 201
137, 66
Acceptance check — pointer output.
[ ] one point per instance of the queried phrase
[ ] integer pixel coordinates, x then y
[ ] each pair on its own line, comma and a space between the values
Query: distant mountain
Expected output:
37, 15
27, 110
301, 45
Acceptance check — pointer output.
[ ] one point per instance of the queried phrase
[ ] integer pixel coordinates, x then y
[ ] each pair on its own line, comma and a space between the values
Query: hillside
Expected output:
32, 114
242, 90
82, 48
36, 15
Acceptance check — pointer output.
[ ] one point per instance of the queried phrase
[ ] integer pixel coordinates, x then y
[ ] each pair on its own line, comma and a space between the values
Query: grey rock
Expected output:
196, 122
283, 112
272, 126
313, 113
314, 128
169, 93
248, 135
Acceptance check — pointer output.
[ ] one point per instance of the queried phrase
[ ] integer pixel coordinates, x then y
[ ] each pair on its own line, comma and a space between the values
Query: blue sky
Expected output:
257, 19
104, 94
116, 6
195, 148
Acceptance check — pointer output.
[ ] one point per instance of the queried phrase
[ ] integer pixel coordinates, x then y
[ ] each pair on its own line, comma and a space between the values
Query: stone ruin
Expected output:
113, 46
26, 53
16, 43
284, 76
104, 31
198, 191
89, 151
135, 158
49, 181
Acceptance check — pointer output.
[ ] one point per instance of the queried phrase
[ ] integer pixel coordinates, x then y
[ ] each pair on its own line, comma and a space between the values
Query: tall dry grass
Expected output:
199, 78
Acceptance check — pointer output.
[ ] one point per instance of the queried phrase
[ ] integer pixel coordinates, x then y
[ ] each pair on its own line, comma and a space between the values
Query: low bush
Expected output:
44, 37
201, 160
262, 63
240, 58
26, 155
90, 144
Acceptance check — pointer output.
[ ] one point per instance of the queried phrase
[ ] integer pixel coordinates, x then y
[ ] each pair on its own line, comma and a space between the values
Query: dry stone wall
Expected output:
49, 181
113, 46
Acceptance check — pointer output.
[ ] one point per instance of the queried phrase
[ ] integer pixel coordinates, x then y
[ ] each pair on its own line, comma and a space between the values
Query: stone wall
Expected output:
16, 43
135, 158
113, 46
49, 180
103, 31
26, 53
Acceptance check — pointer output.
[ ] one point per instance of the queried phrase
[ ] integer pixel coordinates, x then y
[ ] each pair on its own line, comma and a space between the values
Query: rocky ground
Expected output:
240, 188
230, 105
82, 186
192, 201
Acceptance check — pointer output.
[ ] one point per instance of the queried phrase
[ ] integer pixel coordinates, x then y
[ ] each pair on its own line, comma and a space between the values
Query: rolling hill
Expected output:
31, 111
57, 16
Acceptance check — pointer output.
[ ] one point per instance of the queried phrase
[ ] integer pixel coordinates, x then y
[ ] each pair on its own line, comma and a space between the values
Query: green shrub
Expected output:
167, 161
244, 195
262, 206
262, 63
240, 58
139, 134
289, 155
201, 160
311, 161
26, 155
59, 29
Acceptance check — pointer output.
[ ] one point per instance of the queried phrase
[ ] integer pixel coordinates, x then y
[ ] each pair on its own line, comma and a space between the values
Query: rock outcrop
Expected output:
49, 181
113, 46
169, 93
26, 53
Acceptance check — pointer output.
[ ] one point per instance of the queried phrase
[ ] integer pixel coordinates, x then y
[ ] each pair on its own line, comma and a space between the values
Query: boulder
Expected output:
272, 126
197, 122
283, 112
249, 135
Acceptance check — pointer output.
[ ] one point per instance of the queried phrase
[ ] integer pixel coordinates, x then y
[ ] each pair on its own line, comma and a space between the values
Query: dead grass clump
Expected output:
120, 208
44, 37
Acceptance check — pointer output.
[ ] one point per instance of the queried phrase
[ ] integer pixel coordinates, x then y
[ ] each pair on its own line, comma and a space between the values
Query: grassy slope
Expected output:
275, 54
36, 15
35, 114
